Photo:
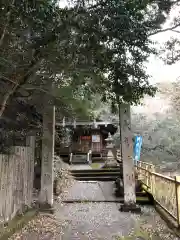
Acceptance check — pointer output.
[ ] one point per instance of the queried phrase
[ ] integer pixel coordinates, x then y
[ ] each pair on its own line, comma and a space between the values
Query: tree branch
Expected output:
176, 31
6, 25
99, 4
166, 29
17, 84
24, 76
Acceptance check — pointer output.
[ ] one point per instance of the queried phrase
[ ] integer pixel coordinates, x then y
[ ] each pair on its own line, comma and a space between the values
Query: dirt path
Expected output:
104, 221
94, 221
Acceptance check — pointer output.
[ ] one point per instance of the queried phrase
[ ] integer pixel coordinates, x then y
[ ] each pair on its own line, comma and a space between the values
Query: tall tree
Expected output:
40, 41
80, 42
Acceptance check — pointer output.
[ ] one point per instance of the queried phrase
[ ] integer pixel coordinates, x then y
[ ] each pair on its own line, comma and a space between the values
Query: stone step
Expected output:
79, 159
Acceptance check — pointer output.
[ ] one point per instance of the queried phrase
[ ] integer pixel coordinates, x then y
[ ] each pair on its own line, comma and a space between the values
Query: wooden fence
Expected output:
165, 190
16, 181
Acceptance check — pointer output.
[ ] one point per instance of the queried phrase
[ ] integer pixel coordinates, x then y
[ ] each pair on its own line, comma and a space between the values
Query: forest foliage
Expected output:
93, 53
160, 129
82, 49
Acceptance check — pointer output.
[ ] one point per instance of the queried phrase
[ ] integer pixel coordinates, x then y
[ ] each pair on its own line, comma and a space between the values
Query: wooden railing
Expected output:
16, 182
165, 190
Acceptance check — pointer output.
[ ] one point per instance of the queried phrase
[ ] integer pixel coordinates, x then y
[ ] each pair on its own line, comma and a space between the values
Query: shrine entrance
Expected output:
86, 137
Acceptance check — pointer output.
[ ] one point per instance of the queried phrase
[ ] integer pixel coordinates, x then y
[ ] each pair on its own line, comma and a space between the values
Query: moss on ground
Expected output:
138, 234
17, 223
95, 165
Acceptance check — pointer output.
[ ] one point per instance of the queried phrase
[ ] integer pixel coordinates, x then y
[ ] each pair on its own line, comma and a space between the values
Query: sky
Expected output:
159, 71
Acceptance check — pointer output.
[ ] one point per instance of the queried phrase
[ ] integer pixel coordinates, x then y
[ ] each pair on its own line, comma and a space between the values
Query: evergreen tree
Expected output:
101, 46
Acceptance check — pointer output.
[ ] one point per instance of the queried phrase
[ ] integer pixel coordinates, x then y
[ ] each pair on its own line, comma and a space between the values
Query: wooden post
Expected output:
30, 142
177, 179
48, 138
127, 159
147, 175
152, 180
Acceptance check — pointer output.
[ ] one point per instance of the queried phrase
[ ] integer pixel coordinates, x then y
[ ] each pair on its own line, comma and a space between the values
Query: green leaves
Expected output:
85, 50
128, 46
170, 53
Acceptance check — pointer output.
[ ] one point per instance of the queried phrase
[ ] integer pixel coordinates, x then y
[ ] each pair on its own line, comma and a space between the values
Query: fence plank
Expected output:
163, 188
17, 173
1, 179
177, 178
31, 166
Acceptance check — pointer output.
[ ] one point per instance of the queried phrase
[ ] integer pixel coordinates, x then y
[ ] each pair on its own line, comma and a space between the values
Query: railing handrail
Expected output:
165, 189
149, 164
159, 175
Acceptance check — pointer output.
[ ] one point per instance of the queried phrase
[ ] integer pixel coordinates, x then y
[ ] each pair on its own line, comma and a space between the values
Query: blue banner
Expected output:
137, 147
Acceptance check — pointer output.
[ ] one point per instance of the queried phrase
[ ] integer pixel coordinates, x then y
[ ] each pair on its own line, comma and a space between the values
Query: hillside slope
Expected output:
158, 122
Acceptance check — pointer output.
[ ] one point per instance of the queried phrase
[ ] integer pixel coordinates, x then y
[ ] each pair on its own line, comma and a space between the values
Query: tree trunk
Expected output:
47, 178
17, 84
127, 155
30, 142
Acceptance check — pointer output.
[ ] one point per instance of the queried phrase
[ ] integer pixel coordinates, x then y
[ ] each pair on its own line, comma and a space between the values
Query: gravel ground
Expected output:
41, 228
103, 220
93, 221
